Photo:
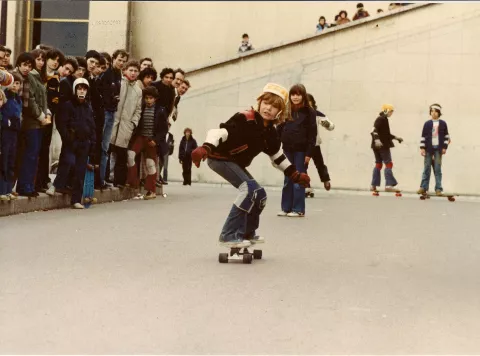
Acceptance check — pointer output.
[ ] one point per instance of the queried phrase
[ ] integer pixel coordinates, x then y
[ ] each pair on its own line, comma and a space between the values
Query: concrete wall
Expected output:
426, 55
191, 34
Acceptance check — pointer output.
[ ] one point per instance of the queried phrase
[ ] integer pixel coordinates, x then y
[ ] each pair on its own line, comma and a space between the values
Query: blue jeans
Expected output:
7, 160
437, 170
28, 168
240, 224
73, 157
107, 135
383, 155
165, 168
293, 194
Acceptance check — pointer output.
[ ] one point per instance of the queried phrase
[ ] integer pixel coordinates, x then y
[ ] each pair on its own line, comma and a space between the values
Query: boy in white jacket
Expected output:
322, 121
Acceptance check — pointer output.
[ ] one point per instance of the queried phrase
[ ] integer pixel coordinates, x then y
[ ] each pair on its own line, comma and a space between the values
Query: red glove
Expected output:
200, 154
301, 178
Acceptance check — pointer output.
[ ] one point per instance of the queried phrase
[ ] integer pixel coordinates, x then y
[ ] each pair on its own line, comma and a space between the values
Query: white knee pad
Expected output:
130, 158
151, 167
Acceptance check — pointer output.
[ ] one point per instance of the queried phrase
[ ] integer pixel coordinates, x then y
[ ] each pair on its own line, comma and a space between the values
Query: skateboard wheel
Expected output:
257, 254
87, 200
223, 258
375, 194
312, 195
247, 258
452, 199
306, 195
94, 200
398, 194
422, 197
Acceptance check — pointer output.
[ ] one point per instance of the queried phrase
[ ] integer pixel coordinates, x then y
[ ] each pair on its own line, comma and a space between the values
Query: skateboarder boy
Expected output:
382, 141
76, 126
433, 145
232, 147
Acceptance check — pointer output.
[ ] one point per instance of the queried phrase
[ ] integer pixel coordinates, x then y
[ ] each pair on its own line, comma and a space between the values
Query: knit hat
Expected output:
277, 90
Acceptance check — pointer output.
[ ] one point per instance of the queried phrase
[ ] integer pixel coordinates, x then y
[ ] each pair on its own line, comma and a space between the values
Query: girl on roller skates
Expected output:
231, 148
382, 141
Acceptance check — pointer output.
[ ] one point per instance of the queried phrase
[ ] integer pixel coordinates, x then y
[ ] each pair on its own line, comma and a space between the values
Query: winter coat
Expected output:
299, 134
427, 133
341, 21
247, 137
160, 128
322, 118
11, 112
37, 108
166, 96
170, 144
128, 113
66, 89
360, 15
110, 87
381, 131
186, 147
53, 92
320, 28
75, 123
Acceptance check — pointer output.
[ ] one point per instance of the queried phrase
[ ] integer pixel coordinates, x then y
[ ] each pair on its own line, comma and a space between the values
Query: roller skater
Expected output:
232, 147
322, 122
382, 141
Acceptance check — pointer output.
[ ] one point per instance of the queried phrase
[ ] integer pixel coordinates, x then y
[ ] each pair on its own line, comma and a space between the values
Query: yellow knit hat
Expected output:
277, 90
387, 107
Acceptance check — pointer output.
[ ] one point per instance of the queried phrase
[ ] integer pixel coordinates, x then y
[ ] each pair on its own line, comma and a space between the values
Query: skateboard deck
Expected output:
243, 254
398, 193
449, 196
88, 188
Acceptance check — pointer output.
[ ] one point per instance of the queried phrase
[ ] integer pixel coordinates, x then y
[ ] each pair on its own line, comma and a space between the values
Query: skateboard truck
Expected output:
240, 254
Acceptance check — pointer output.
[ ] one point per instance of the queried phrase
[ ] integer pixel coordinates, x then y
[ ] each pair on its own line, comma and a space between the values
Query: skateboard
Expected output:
88, 190
309, 195
450, 197
398, 193
240, 254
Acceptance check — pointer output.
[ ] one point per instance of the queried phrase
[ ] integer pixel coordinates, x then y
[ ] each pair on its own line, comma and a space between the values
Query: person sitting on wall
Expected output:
361, 13
246, 45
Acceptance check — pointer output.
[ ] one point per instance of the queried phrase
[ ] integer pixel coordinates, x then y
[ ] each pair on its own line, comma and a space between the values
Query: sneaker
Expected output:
421, 191
51, 191
106, 186
327, 185
438, 193
11, 197
165, 182
3, 197
78, 206
282, 213
235, 244
149, 195
373, 188
294, 214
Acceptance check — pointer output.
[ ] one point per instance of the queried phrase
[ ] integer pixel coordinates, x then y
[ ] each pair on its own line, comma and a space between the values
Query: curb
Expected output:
61, 201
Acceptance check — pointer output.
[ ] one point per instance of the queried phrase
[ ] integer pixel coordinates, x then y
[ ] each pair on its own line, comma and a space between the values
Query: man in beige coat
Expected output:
126, 120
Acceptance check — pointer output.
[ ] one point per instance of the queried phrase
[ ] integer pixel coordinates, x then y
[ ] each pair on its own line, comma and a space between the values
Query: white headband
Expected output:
436, 107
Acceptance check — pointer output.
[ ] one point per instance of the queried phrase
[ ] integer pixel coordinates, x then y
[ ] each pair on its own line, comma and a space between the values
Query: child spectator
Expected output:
434, 144
149, 135
361, 13
298, 135
78, 128
187, 146
343, 18
35, 116
11, 112
126, 120
381, 144
245, 45
322, 24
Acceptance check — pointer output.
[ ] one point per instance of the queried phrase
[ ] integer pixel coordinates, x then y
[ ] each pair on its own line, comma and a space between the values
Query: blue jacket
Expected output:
299, 134
12, 111
443, 136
